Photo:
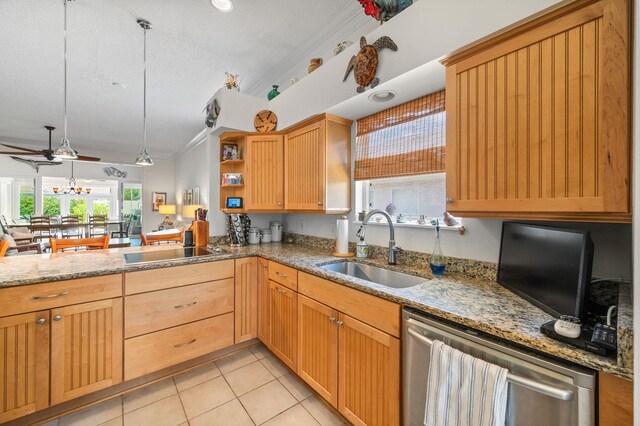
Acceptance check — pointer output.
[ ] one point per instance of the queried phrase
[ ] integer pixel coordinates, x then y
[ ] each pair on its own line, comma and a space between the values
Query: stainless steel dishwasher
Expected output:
541, 391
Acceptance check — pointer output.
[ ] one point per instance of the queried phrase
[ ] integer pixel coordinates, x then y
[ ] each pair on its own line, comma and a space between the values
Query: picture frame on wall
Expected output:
189, 196
184, 197
196, 195
230, 151
158, 199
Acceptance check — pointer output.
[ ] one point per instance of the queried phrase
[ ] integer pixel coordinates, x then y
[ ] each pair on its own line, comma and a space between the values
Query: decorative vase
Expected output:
315, 63
437, 262
273, 93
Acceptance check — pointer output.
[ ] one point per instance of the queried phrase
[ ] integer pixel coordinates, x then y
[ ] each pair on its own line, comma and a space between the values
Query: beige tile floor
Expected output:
251, 387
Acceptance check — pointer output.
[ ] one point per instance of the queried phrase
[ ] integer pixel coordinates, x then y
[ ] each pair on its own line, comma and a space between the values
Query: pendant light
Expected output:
65, 151
144, 159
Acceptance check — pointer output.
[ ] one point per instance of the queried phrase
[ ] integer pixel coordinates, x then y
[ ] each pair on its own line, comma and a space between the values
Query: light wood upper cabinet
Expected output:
284, 323
86, 348
318, 165
263, 301
369, 374
24, 354
264, 177
318, 348
246, 299
538, 118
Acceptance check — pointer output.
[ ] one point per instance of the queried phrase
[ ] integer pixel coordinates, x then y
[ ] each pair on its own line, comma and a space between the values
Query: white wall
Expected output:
156, 178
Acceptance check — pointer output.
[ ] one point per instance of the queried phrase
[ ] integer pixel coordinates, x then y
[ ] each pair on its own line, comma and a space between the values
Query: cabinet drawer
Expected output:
162, 349
161, 278
148, 312
284, 275
379, 313
29, 298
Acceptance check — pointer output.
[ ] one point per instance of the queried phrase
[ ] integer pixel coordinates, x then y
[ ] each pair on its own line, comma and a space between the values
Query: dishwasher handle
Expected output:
516, 379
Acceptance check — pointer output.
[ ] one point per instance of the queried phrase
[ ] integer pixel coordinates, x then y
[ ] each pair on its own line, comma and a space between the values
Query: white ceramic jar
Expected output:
266, 236
254, 235
276, 231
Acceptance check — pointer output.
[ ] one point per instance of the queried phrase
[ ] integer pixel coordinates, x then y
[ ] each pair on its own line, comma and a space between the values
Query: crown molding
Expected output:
197, 140
347, 22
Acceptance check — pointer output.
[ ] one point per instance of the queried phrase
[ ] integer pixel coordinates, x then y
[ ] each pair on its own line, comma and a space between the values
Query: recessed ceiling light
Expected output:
222, 5
382, 96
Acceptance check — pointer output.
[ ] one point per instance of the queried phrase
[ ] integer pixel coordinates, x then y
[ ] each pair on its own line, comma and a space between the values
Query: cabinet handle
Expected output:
51, 296
281, 291
181, 345
42, 321
449, 200
332, 319
57, 317
339, 323
281, 275
185, 306
319, 203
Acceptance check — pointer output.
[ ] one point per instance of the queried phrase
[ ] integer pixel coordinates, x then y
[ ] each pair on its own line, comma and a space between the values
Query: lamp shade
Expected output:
167, 209
189, 210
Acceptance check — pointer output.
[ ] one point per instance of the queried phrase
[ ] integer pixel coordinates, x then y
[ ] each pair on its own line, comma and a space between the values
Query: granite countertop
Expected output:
477, 303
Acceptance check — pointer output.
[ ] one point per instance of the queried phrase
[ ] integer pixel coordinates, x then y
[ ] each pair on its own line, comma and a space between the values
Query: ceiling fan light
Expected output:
223, 5
64, 151
144, 159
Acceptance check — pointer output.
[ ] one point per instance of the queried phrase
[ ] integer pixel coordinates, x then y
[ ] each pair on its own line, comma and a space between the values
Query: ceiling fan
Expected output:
46, 153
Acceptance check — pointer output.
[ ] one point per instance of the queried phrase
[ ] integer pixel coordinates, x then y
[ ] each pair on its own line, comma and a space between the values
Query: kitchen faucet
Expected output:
393, 250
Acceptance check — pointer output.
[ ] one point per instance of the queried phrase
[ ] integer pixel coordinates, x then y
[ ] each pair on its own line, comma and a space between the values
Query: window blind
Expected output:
408, 139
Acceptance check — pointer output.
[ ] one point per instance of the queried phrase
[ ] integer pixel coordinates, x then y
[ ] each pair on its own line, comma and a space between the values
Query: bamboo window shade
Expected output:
408, 139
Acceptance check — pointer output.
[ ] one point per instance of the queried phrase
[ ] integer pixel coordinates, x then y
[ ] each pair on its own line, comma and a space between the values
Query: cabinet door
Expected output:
369, 376
263, 301
304, 168
246, 296
264, 173
24, 356
86, 348
318, 348
284, 322
537, 124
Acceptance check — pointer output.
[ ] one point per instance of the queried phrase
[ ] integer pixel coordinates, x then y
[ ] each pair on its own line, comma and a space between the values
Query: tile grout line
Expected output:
180, 399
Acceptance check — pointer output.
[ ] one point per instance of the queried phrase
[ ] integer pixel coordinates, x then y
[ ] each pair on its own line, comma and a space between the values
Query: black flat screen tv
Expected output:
550, 267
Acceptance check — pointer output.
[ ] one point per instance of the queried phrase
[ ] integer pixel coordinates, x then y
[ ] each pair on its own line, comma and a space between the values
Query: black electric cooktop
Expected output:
169, 254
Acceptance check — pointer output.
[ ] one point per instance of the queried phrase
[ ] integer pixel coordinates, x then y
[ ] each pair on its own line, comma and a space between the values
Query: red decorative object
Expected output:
370, 8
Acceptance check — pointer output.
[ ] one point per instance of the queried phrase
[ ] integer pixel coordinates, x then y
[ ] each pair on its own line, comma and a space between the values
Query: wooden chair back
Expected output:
4, 224
68, 220
4, 246
40, 220
97, 225
59, 244
153, 238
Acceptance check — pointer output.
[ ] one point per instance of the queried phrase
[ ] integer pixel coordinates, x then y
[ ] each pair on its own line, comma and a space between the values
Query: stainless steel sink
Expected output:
375, 275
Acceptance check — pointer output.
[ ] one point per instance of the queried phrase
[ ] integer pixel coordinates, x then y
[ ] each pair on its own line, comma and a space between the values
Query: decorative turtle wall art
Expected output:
365, 63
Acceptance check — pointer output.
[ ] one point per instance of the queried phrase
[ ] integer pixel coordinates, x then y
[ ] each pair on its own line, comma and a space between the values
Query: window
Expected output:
78, 207
17, 199
103, 199
399, 160
51, 205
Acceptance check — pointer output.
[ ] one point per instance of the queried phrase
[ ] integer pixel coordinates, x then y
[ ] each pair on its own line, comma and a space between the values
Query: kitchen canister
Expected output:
265, 236
276, 231
254, 235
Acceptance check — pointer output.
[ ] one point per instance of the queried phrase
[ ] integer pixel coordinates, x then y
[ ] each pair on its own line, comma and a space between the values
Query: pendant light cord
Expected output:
65, 69
144, 96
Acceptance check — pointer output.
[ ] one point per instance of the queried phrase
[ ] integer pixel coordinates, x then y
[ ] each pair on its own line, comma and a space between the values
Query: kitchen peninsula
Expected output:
229, 289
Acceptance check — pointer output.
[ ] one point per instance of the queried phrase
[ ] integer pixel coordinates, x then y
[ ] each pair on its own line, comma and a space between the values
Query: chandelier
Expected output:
72, 188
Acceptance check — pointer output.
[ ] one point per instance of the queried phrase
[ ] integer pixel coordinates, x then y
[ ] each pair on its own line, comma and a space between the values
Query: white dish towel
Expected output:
463, 390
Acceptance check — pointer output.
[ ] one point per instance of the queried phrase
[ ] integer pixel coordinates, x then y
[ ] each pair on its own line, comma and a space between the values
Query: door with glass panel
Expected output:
131, 201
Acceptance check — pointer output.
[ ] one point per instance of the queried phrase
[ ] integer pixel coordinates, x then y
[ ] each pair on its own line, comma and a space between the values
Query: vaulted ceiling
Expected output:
189, 48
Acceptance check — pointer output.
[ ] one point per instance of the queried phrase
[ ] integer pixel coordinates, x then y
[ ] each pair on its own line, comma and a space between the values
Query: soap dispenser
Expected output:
437, 262
362, 249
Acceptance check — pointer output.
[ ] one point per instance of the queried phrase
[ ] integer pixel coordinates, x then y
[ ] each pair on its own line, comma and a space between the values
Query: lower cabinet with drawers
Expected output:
192, 315
342, 342
60, 340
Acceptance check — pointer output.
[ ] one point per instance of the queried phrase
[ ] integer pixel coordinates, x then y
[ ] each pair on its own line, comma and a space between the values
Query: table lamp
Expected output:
168, 210
189, 211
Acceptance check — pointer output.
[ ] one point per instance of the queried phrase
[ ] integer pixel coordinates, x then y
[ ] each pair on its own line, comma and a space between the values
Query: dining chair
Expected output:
125, 229
162, 237
61, 244
68, 228
97, 225
4, 246
41, 227
23, 246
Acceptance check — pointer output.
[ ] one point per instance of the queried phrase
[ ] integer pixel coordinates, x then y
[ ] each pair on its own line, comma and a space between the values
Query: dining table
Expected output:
53, 229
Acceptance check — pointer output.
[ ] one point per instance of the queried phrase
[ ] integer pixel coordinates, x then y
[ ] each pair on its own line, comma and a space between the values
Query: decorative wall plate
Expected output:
265, 121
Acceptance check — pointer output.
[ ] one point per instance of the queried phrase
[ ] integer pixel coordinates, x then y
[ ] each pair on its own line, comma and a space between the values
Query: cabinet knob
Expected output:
42, 321
57, 317
319, 203
339, 323
279, 203
449, 200
332, 319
